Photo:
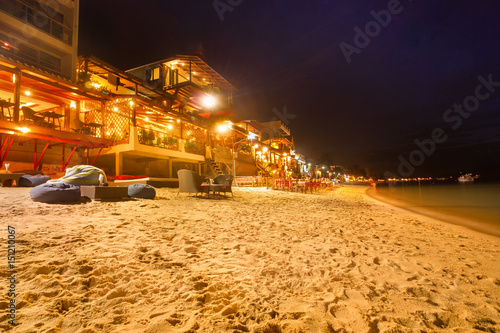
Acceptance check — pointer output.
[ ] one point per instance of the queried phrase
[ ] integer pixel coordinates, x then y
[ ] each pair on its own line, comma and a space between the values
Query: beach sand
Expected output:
267, 261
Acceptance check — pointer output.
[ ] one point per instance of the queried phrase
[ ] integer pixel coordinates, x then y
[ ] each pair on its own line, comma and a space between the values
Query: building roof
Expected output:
197, 65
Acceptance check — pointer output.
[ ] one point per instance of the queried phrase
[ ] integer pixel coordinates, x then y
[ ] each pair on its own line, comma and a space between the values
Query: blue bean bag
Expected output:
32, 180
55, 193
141, 191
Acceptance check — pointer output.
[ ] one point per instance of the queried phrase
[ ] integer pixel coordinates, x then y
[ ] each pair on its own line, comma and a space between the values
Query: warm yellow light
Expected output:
115, 109
264, 149
27, 92
23, 129
222, 128
251, 135
178, 120
147, 118
131, 103
209, 101
256, 146
14, 78
170, 126
72, 105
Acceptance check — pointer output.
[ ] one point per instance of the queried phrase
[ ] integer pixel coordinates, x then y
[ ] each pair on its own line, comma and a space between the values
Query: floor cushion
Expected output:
55, 192
82, 175
141, 191
32, 180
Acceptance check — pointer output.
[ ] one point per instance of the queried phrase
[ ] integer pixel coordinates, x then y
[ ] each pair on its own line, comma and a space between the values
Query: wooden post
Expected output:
103, 117
17, 95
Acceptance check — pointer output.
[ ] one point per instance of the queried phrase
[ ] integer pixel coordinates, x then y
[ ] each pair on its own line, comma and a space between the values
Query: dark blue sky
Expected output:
287, 54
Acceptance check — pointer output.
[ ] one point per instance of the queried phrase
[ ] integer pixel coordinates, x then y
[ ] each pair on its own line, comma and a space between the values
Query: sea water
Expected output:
474, 204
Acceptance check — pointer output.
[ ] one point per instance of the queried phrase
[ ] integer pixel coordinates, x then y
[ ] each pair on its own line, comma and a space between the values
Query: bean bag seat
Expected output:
82, 175
141, 191
32, 180
55, 192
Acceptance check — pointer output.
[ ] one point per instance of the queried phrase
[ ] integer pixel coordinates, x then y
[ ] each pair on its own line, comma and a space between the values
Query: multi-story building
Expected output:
41, 34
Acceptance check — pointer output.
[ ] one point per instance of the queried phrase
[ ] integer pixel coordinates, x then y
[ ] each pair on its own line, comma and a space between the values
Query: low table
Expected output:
213, 187
5, 177
104, 192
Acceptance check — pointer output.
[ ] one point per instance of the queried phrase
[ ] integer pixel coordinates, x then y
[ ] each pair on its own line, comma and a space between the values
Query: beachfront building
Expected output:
117, 121
159, 116
280, 161
301, 168
264, 149
36, 120
41, 34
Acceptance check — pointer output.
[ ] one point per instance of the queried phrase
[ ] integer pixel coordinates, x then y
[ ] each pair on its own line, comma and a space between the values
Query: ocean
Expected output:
473, 204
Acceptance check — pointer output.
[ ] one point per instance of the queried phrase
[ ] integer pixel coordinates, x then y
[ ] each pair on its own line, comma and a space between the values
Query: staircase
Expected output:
214, 166
262, 170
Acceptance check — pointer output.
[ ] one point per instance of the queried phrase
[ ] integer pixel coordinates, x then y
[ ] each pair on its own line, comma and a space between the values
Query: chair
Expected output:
190, 182
226, 181
29, 114
81, 127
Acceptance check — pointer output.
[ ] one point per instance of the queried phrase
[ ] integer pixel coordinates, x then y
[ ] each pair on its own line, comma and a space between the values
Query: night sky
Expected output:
360, 80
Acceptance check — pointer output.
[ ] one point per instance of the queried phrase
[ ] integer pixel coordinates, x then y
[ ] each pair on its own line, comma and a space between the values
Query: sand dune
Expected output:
268, 261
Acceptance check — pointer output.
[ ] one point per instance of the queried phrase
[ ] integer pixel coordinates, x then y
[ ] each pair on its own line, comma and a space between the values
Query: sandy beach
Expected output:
267, 261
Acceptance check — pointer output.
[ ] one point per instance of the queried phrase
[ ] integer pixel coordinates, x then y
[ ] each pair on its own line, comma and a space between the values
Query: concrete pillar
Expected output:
170, 169
118, 164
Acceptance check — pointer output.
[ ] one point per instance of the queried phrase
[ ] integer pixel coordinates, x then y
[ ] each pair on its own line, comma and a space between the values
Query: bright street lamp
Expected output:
209, 101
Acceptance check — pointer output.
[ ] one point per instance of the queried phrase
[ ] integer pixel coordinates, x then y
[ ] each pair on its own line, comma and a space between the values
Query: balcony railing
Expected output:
157, 139
39, 122
42, 18
194, 147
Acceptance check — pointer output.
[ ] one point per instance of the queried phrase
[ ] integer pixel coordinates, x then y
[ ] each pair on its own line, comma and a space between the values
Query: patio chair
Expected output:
190, 182
81, 127
29, 115
226, 181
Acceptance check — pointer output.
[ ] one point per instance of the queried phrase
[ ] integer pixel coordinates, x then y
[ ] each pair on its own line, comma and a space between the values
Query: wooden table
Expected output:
94, 127
51, 118
214, 188
104, 192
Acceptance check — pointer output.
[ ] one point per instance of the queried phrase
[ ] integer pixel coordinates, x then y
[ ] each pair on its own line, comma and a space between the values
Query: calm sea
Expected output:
474, 204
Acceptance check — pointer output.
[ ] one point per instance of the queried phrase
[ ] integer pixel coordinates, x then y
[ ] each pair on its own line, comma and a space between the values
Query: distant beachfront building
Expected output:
41, 34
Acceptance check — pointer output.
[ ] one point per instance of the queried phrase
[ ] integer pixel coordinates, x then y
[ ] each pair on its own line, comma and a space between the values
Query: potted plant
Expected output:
151, 137
143, 136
